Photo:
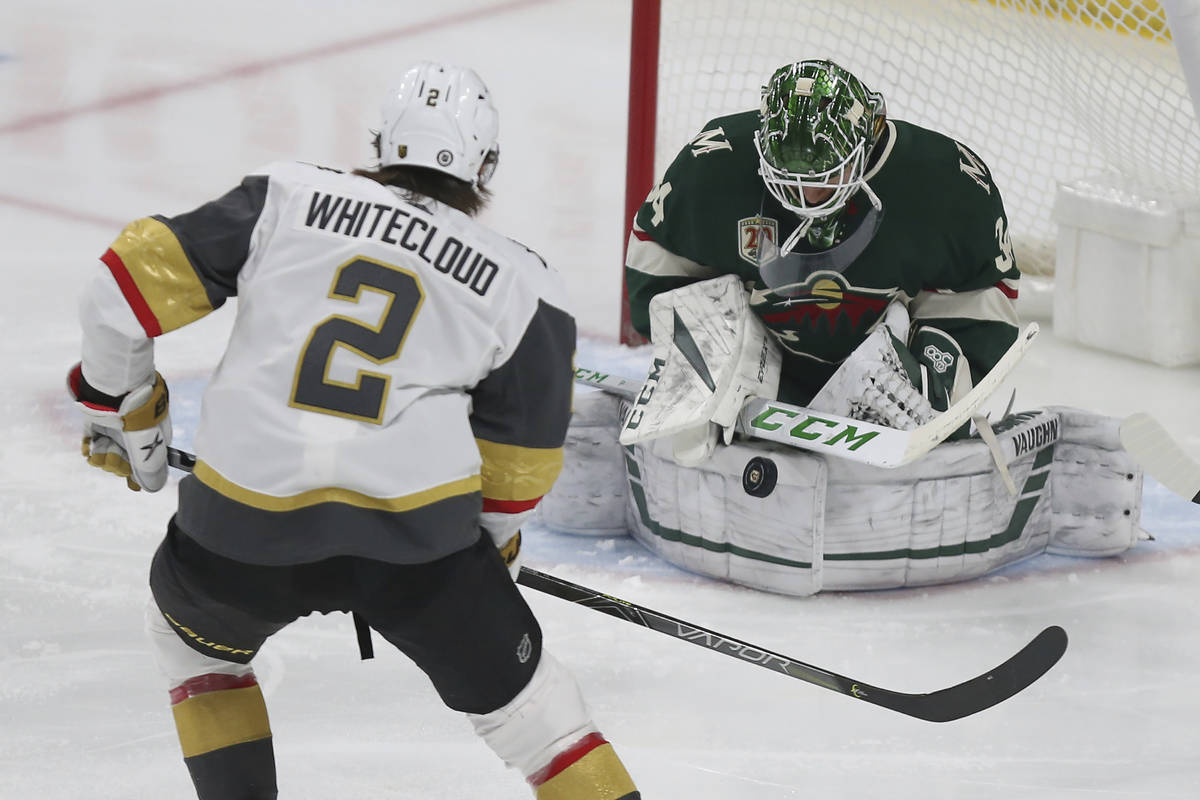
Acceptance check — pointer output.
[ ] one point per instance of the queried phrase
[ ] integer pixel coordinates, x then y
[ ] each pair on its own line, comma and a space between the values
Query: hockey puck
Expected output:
759, 476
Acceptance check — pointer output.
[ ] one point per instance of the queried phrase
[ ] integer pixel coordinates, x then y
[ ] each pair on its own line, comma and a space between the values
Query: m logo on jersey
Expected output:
973, 168
824, 299
710, 140
755, 233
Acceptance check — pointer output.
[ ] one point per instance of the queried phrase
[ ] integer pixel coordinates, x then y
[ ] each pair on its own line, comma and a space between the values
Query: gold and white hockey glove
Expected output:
126, 435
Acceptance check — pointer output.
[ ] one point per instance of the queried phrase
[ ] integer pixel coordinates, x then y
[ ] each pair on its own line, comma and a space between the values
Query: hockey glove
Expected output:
880, 381
937, 367
126, 435
946, 375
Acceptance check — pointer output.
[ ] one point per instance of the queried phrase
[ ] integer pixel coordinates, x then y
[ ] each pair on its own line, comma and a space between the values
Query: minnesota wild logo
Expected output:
823, 303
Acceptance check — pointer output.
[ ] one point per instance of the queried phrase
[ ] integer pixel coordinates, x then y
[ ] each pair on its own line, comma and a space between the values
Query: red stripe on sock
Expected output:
566, 758
141, 309
509, 506
212, 682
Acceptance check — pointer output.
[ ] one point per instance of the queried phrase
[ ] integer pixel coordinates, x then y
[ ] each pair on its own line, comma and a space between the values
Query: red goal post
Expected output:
1046, 91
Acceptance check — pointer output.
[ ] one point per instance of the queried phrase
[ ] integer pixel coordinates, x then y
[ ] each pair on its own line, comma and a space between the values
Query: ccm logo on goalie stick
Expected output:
636, 413
837, 433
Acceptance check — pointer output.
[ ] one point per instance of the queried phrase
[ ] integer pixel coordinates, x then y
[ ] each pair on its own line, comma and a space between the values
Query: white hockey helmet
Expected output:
441, 117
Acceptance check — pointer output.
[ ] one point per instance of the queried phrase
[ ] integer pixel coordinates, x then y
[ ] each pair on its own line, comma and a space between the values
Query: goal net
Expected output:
1046, 91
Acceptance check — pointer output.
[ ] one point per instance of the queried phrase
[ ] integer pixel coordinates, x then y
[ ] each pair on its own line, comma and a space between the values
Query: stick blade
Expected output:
996, 686
1153, 446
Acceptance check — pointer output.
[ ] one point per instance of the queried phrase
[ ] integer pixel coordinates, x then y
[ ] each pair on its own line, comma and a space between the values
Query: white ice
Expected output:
112, 111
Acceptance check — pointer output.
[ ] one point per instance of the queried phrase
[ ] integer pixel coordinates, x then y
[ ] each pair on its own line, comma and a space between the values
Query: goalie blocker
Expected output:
832, 524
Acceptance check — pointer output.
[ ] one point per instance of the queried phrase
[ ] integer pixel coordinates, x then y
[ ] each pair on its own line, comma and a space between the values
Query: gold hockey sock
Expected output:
587, 770
226, 737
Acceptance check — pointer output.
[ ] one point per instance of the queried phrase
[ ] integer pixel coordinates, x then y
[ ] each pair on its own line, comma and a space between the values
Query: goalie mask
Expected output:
441, 117
817, 126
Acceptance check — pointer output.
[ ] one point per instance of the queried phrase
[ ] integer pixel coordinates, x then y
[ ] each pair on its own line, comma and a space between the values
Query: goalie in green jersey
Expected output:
816, 252
864, 243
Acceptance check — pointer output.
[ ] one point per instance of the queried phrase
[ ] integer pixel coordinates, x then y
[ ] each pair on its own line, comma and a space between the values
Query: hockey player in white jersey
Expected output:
391, 405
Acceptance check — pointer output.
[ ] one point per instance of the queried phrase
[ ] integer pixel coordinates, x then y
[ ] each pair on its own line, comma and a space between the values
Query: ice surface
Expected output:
111, 111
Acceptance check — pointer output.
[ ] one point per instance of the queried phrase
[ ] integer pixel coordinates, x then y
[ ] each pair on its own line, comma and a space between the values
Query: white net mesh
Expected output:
1045, 91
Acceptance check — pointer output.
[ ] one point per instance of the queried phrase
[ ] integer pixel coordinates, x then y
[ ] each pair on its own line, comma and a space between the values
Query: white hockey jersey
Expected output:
394, 370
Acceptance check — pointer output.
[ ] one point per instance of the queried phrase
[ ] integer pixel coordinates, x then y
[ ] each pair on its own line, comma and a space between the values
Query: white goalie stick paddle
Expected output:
1153, 446
943, 705
840, 436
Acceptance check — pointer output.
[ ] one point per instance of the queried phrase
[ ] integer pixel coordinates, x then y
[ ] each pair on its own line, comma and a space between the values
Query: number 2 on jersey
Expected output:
313, 389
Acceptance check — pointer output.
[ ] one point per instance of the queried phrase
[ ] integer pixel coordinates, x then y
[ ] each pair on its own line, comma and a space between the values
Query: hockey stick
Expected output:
844, 437
1152, 446
956, 702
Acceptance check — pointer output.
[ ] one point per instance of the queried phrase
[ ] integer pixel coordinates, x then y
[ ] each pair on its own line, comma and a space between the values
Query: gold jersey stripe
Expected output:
266, 502
512, 472
215, 720
164, 276
598, 774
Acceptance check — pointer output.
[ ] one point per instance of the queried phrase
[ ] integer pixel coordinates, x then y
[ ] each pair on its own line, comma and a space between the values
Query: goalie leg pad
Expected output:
1097, 497
949, 517
833, 524
714, 520
591, 492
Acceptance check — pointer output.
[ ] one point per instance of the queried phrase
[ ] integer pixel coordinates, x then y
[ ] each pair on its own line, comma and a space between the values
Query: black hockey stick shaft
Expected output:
180, 459
956, 702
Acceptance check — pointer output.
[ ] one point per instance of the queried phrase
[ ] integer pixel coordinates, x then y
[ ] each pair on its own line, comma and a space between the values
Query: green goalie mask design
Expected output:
818, 125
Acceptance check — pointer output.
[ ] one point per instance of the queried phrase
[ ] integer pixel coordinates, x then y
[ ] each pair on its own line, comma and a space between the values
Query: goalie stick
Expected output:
943, 705
1153, 446
844, 437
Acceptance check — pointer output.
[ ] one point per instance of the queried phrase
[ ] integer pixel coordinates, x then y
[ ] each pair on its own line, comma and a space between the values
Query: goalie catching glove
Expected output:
887, 382
126, 435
